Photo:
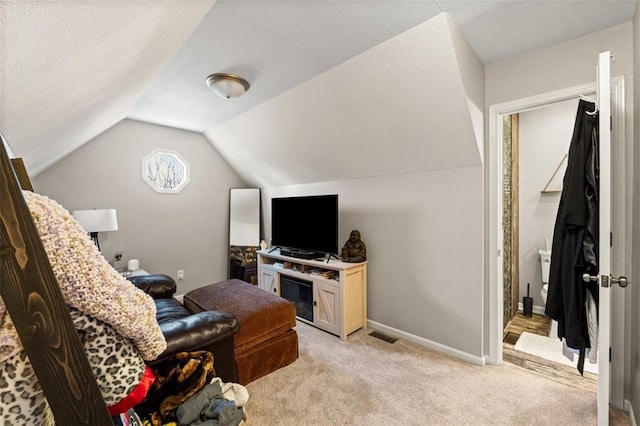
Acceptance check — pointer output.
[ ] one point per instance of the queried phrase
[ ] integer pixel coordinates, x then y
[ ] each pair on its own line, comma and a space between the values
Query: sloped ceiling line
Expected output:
73, 69
83, 53
399, 107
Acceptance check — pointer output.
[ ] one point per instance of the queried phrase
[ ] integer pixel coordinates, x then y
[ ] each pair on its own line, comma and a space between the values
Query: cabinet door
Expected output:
269, 281
326, 305
355, 299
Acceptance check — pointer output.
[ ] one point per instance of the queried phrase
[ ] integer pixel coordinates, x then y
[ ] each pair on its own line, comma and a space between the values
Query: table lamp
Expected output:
97, 220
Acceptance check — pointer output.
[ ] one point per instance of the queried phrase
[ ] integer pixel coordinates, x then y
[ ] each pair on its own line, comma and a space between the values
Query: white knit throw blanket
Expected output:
88, 283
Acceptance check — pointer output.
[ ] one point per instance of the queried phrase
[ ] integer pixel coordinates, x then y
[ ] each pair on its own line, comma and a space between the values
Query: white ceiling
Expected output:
278, 44
71, 70
348, 122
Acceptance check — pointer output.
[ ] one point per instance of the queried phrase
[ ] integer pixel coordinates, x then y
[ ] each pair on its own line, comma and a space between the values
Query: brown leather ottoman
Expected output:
266, 340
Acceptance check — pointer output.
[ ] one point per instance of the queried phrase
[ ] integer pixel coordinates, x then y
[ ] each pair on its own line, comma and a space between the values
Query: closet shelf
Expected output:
553, 185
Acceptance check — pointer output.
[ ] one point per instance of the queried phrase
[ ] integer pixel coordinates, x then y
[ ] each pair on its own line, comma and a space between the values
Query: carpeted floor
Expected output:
368, 381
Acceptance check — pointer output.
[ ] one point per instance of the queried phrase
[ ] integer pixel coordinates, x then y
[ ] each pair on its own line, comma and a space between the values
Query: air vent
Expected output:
384, 337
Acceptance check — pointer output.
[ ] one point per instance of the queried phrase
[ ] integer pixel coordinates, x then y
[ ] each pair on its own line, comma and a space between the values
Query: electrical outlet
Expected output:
181, 274
117, 257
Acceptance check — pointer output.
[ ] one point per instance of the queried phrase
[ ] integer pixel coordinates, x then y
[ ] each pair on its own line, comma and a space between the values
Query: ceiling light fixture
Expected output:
227, 86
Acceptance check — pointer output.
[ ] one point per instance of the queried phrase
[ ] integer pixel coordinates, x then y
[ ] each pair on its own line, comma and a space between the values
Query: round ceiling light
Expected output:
227, 86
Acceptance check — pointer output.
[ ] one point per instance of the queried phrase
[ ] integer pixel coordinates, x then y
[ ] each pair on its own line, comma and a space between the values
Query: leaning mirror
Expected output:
244, 233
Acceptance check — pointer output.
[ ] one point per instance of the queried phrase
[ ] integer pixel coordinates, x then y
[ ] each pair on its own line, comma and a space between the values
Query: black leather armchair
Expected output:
185, 331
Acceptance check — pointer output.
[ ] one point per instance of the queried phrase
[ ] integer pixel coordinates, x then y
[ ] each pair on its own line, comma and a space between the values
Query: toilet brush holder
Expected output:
527, 304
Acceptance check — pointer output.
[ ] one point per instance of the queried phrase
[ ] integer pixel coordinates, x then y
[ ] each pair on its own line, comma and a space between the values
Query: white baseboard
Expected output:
536, 309
456, 353
628, 407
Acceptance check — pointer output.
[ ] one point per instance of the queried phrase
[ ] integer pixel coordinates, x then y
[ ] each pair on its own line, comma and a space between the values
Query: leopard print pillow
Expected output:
115, 361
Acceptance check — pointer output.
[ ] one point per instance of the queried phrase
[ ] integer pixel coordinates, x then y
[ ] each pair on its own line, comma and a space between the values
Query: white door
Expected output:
604, 324
604, 278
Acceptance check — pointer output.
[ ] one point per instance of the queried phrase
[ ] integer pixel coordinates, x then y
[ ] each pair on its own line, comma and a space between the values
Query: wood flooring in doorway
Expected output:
539, 324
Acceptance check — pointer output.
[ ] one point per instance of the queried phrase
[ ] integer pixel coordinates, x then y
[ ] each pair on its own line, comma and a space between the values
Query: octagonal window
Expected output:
165, 171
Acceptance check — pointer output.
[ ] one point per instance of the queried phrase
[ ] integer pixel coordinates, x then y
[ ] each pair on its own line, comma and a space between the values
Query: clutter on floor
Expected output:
187, 392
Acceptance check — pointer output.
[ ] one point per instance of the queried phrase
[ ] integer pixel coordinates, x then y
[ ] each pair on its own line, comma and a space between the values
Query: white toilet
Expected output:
545, 263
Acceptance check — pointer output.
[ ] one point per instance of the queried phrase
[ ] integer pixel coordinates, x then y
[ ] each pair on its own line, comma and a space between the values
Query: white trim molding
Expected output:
628, 407
456, 353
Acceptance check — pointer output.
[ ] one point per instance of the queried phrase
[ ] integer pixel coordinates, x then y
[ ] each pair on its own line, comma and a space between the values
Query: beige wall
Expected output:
545, 136
423, 233
166, 232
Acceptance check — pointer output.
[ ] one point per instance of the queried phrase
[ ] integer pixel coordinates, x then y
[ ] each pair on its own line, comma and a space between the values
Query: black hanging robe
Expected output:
575, 237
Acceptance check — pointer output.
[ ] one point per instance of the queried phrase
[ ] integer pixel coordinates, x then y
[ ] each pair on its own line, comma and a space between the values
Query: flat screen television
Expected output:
305, 226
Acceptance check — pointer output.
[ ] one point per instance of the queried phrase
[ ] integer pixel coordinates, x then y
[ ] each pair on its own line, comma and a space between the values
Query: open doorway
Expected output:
535, 147
495, 212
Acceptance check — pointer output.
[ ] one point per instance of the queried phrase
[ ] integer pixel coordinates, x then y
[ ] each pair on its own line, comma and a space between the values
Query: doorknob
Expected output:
622, 281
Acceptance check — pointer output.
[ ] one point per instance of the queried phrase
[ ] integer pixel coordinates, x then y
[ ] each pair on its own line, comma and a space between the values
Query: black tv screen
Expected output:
307, 223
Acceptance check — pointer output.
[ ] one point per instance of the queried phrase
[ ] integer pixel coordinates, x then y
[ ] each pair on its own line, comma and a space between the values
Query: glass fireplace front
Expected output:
300, 292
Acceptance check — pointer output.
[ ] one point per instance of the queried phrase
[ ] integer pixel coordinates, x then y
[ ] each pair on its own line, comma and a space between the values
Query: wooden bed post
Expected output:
38, 310
21, 174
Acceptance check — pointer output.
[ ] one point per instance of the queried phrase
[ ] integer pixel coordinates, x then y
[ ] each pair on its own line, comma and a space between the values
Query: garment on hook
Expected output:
575, 237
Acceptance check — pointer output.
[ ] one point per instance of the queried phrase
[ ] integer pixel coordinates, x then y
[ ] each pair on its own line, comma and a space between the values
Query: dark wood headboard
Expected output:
21, 174
38, 310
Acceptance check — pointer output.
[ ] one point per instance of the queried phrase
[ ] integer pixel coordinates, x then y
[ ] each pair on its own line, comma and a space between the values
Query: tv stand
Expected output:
338, 301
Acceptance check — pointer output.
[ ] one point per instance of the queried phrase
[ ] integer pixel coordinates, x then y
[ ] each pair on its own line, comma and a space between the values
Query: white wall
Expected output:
561, 66
423, 233
166, 232
545, 136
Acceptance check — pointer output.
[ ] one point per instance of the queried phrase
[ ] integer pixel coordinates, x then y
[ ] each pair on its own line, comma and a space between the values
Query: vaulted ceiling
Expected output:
405, 105
71, 70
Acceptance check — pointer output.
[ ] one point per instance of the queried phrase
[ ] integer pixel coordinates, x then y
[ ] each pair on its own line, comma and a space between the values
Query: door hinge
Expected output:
611, 123
610, 239
609, 353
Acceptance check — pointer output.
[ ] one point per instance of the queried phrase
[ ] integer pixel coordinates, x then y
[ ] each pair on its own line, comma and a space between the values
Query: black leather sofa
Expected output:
185, 331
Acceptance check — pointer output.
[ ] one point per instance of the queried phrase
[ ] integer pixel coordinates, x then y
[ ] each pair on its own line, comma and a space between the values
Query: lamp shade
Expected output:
227, 86
97, 220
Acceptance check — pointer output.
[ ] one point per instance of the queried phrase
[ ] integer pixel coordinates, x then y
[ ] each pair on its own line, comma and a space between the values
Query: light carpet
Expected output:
367, 381
549, 349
